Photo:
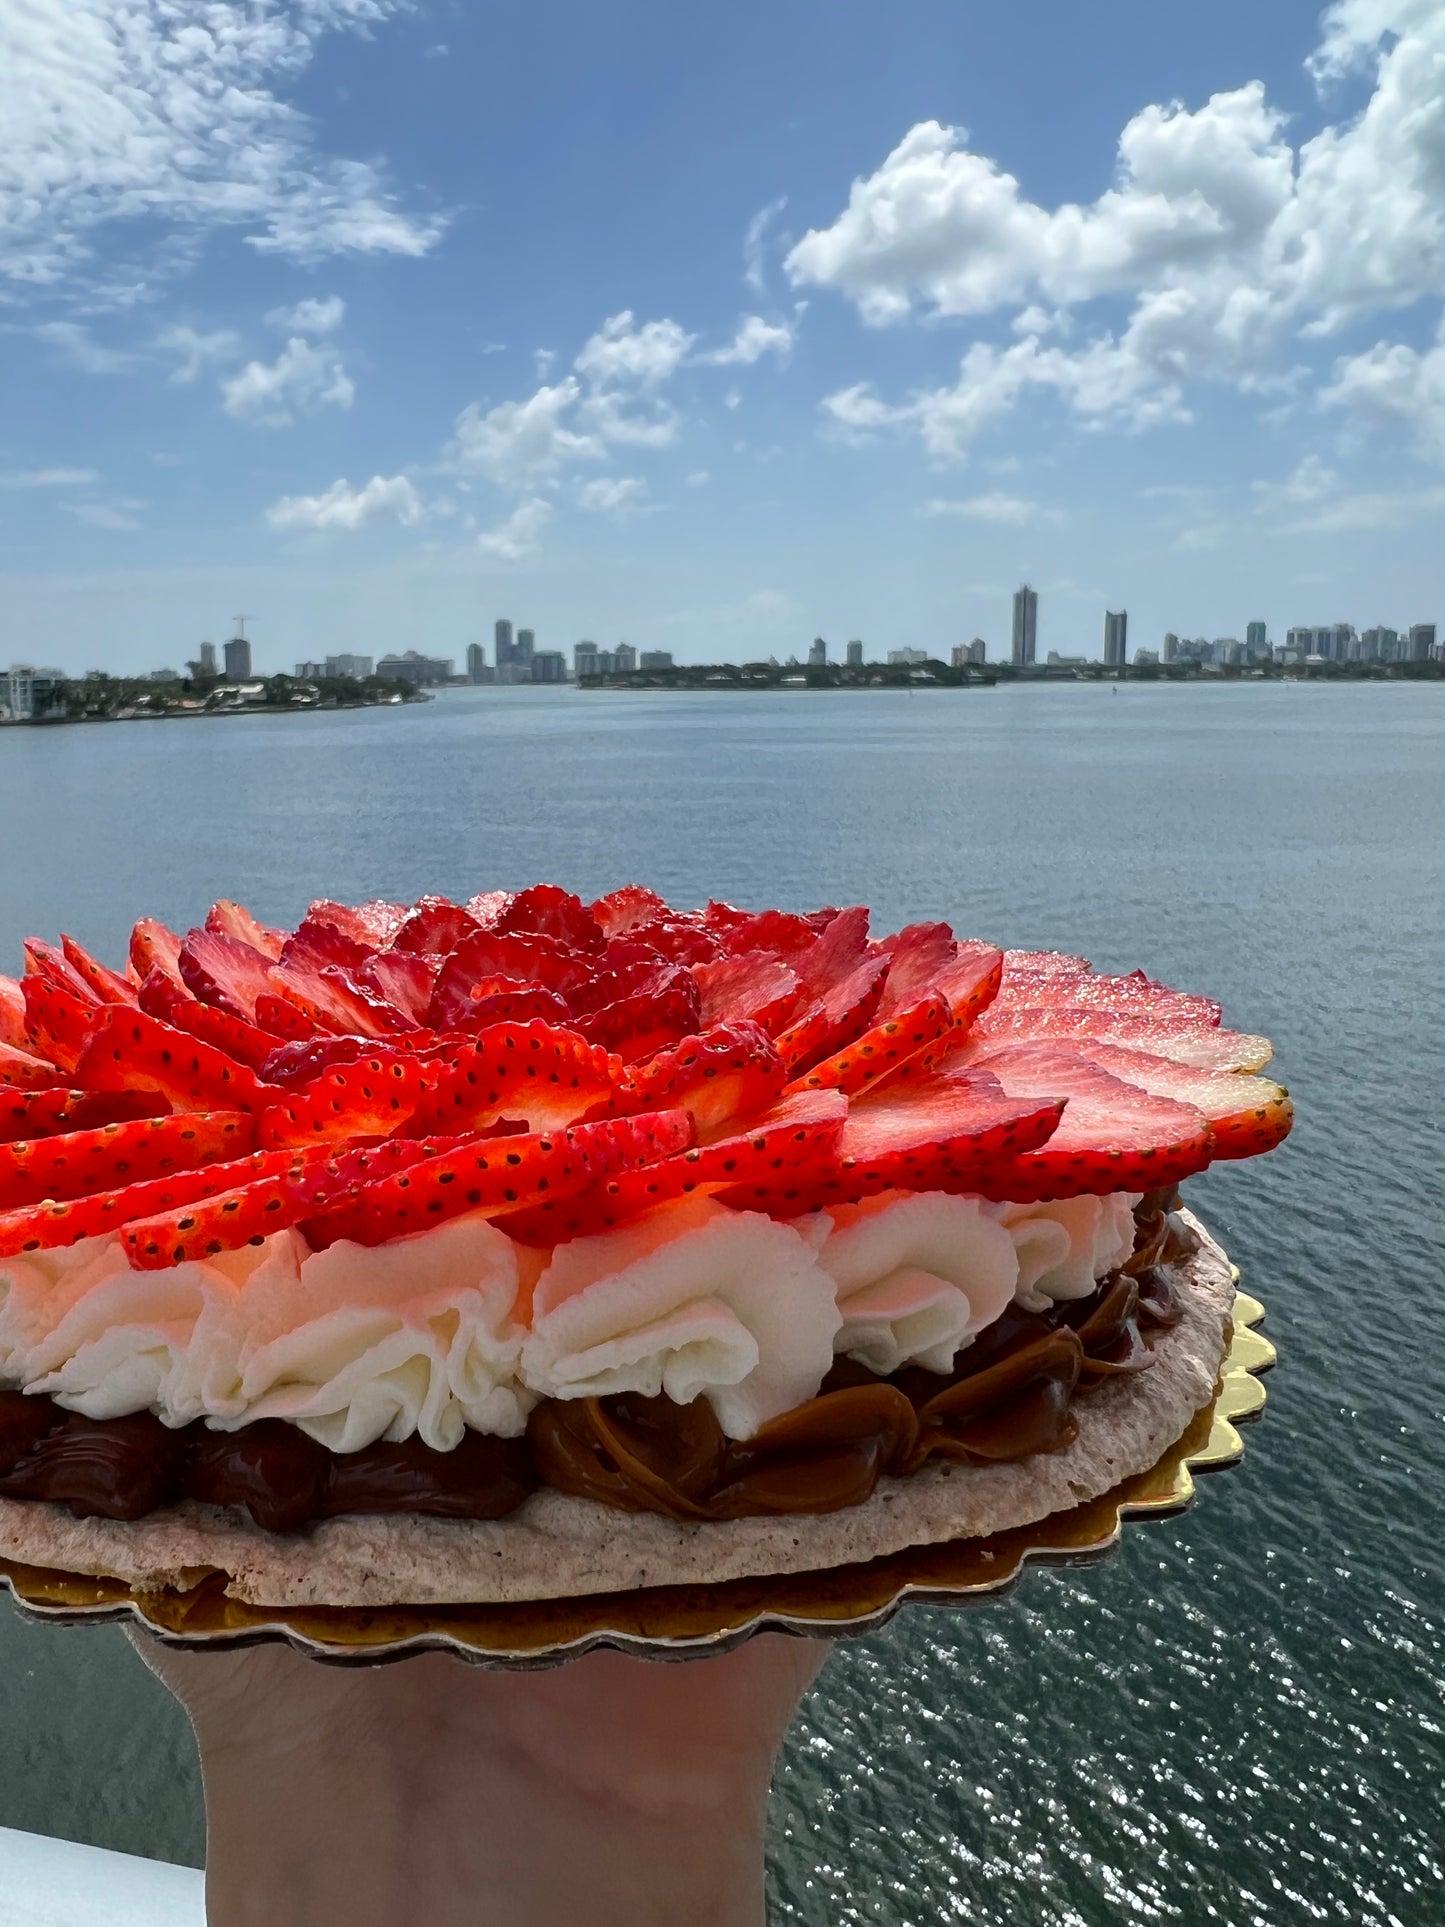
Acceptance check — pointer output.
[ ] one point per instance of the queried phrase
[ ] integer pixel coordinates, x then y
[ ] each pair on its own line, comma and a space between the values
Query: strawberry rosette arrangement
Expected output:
460, 1212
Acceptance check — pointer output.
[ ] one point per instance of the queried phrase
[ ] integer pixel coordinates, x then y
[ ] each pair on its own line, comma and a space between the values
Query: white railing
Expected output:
56, 1883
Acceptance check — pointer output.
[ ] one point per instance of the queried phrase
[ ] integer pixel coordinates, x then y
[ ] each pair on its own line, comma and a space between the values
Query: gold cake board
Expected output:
687, 1622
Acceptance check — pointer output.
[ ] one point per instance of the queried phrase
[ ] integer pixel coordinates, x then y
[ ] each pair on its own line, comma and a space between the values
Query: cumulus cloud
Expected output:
1397, 385
1227, 242
622, 354
314, 316
196, 352
520, 535
343, 507
305, 376
523, 441
610, 494
986, 508
755, 338
170, 112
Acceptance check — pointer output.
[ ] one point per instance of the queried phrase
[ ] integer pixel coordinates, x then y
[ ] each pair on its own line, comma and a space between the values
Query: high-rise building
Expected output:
421, 671
656, 659
978, 650
1422, 641
1171, 645
907, 658
855, 655
525, 647
502, 636
585, 657
1255, 640
625, 657
476, 662
818, 654
1025, 626
548, 665
207, 659
357, 667
1116, 637
238, 659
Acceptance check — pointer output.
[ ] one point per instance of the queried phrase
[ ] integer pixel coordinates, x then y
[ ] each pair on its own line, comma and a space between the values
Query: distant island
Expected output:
46, 698
928, 672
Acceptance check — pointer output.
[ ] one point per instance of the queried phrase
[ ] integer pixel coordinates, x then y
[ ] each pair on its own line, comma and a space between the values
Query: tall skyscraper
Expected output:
1171, 645
584, 659
525, 648
238, 659
476, 662
502, 635
1026, 622
1422, 641
208, 659
1254, 639
818, 654
855, 655
625, 656
1116, 637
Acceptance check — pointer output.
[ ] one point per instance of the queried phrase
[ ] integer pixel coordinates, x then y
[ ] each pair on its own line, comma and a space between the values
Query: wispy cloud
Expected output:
520, 535
344, 507
755, 244
985, 508
47, 477
75, 343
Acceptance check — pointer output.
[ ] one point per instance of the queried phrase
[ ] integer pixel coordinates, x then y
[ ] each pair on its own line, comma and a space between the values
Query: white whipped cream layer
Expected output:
1064, 1246
353, 1344
694, 1300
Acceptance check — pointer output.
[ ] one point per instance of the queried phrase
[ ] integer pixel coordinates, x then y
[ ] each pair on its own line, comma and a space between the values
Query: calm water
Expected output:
1238, 1720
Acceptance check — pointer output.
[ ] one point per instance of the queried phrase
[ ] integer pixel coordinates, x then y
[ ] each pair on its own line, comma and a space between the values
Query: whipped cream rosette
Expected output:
524, 1247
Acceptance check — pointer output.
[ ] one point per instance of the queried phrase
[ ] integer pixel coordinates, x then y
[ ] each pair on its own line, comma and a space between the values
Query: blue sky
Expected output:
714, 329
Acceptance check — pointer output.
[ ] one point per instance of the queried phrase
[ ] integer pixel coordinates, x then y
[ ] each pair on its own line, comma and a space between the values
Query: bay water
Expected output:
1240, 1718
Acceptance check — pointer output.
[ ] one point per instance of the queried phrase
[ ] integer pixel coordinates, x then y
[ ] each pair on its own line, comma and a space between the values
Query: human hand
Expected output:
609, 1790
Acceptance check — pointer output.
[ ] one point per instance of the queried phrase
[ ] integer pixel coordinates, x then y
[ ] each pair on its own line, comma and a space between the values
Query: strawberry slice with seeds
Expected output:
334, 1003
489, 960
282, 1018
1189, 1041
154, 947
22, 1070
246, 1043
317, 945
780, 933
1045, 963
726, 1074
534, 1071
43, 1227
637, 1027
548, 911
105, 985
49, 962
370, 1097
224, 972
754, 985
677, 938
1113, 1136
400, 978
230, 919
47, 1113
78, 1163
57, 1021
802, 1131
435, 926
1135, 995
621, 911
372, 924
905, 1038
12, 1013
128, 1050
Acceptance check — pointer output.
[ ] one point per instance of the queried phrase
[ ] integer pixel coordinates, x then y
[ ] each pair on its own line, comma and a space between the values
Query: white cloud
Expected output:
624, 355
1368, 509
522, 441
196, 352
317, 315
48, 477
1395, 384
755, 338
986, 508
104, 515
1227, 241
521, 533
755, 243
654, 426
75, 344
344, 507
1311, 481
612, 493
146, 112
699, 478
306, 375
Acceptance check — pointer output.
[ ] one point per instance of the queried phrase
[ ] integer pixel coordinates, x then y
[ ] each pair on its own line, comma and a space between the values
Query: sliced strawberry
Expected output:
909, 1037
282, 1018
534, 1071
1190, 1041
1045, 963
724, 1076
104, 984
778, 932
500, 1174
333, 1003
1247, 1115
637, 1027
487, 906
643, 974
620, 911
753, 985
1113, 1137
297, 1063
489, 960
917, 958
512, 1006
154, 947
224, 972
42, 1227
372, 924
12, 1013
805, 1041
372, 1096
22, 1070
1135, 995
247, 1043
803, 1131
46, 1113
678, 939
317, 945
547, 911
77, 1163
971, 981
57, 1021
400, 978
435, 925
161, 996
848, 1008
50, 963
943, 1132
229, 919
128, 1050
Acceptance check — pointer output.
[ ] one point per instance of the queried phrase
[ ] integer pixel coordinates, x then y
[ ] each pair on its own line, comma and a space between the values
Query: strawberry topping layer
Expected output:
566, 1067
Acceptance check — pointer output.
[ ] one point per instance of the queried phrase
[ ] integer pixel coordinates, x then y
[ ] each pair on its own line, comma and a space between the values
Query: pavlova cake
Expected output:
525, 1247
